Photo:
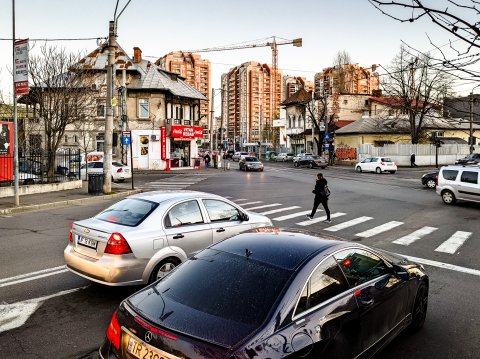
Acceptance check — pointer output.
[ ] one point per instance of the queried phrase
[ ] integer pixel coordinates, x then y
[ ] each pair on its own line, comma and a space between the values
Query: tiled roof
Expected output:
300, 97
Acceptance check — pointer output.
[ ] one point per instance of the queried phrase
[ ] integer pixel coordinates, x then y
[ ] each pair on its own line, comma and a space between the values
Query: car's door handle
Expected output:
221, 230
366, 301
177, 236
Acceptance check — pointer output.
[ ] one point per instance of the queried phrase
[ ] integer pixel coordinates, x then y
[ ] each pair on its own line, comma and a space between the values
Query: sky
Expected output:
158, 27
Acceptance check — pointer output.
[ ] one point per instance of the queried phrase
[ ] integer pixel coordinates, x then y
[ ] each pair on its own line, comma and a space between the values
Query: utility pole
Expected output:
15, 121
108, 137
212, 115
470, 137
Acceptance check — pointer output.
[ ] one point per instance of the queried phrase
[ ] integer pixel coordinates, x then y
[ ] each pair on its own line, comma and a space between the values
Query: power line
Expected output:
60, 39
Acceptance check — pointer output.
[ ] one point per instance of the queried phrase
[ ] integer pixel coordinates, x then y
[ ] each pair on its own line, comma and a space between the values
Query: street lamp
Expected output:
108, 138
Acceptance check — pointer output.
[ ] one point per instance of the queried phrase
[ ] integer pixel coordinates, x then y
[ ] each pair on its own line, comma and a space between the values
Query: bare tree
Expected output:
417, 89
60, 92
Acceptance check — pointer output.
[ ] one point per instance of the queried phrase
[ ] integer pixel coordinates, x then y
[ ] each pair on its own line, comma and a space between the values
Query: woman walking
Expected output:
321, 196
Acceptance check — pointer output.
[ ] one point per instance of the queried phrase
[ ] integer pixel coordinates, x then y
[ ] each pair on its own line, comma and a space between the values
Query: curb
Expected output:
60, 204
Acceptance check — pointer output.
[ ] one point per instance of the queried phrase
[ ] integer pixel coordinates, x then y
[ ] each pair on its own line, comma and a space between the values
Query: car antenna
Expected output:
248, 253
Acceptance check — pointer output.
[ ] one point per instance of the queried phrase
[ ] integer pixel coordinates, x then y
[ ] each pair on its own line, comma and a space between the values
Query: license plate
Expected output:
87, 242
142, 350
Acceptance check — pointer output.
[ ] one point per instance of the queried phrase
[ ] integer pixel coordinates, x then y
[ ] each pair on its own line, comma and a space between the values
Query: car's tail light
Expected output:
120, 170
436, 180
70, 236
154, 329
382, 163
114, 332
117, 244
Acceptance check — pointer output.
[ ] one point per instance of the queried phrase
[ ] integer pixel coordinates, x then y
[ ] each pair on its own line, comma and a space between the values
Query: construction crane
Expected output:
268, 42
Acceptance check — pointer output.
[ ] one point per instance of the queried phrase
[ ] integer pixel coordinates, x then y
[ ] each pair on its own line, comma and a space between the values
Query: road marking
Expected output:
32, 276
227, 197
16, 314
249, 203
161, 183
319, 219
279, 210
264, 206
414, 236
288, 216
347, 224
240, 199
442, 265
452, 244
376, 230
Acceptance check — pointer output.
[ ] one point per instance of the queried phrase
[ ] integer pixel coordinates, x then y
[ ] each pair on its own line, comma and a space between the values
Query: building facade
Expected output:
292, 84
347, 79
196, 72
248, 106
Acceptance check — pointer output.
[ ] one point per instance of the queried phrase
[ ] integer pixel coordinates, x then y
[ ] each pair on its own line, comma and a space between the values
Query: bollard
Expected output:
228, 166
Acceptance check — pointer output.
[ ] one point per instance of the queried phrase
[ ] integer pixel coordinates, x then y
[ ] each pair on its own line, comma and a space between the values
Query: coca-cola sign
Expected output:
186, 132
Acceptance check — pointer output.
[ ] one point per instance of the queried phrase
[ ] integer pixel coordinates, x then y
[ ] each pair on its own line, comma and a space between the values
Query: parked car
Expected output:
311, 161
270, 155
141, 238
238, 155
280, 294
228, 154
471, 159
250, 163
430, 179
120, 172
284, 157
377, 165
459, 182
296, 157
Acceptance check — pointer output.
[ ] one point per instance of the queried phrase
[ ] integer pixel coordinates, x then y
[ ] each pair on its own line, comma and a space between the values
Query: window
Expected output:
75, 138
326, 282
183, 214
220, 211
66, 138
129, 212
450, 175
101, 111
469, 177
100, 143
360, 266
143, 108
391, 112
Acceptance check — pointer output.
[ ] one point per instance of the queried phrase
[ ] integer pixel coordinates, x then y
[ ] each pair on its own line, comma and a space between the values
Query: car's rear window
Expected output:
223, 290
450, 175
118, 164
386, 159
129, 212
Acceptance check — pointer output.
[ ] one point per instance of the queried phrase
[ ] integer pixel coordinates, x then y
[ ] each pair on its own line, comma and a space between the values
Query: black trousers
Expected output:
324, 202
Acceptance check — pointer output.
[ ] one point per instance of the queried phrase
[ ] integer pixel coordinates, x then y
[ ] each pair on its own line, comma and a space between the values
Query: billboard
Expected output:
20, 74
6, 151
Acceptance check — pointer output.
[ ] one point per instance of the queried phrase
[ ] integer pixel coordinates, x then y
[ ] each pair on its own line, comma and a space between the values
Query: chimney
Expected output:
137, 55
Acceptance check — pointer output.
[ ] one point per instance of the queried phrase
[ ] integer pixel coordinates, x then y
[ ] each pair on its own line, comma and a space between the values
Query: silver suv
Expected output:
459, 182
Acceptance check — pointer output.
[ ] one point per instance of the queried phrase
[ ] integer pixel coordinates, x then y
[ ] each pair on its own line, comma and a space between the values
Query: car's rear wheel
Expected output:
431, 183
163, 268
358, 169
393, 172
310, 166
378, 170
296, 164
419, 311
448, 197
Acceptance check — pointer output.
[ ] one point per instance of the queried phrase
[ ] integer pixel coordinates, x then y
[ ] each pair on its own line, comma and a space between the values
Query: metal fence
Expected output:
33, 168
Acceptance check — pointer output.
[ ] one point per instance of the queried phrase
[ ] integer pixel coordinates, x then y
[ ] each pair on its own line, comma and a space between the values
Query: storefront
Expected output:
179, 146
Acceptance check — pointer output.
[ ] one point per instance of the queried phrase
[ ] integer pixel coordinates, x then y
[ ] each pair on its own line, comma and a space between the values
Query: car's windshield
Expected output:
251, 159
224, 289
129, 212
316, 157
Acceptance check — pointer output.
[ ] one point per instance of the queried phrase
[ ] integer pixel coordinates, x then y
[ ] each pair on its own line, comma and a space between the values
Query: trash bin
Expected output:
95, 184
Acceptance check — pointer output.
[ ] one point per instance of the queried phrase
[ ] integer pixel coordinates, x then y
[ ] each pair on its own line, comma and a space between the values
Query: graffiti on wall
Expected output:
346, 154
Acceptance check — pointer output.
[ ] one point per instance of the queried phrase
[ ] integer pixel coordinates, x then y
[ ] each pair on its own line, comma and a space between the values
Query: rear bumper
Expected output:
109, 270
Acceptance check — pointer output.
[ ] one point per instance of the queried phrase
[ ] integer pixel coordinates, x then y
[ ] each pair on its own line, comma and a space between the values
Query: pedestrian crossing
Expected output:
173, 182
279, 214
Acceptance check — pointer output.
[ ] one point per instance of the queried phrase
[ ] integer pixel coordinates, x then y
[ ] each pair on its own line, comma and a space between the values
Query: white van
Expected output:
459, 182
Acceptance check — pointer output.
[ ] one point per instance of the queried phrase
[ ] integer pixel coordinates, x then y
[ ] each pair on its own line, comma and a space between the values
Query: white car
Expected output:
377, 165
237, 156
120, 172
284, 157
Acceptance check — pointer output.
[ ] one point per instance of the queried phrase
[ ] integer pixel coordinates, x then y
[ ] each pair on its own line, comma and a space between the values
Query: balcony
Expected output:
294, 131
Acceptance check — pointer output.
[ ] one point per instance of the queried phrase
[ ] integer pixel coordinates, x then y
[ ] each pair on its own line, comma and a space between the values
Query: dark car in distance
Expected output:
250, 163
430, 179
311, 161
270, 293
471, 159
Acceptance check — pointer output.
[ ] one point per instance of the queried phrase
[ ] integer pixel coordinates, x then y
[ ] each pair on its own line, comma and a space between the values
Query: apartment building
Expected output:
292, 84
347, 79
196, 72
248, 107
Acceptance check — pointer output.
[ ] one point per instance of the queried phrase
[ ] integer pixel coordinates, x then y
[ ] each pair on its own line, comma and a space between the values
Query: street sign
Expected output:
326, 136
126, 139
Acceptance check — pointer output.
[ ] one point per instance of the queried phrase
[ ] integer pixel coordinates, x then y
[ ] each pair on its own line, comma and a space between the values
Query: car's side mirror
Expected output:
244, 217
400, 273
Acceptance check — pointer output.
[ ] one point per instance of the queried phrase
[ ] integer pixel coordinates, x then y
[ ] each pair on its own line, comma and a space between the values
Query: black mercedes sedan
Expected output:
270, 293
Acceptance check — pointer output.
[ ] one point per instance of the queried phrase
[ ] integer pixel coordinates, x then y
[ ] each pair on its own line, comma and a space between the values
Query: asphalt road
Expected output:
55, 314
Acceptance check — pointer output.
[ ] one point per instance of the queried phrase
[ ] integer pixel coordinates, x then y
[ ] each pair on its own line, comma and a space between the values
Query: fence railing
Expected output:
33, 168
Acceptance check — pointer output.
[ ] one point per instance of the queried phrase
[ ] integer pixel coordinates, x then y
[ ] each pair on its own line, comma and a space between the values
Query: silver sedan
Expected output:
141, 238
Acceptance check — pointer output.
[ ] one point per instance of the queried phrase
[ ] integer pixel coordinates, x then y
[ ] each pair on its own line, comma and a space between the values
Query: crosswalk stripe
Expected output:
376, 230
264, 206
279, 210
249, 203
227, 197
452, 244
319, 219
169, 183
414, 236
347, 224
288, 216
240, 199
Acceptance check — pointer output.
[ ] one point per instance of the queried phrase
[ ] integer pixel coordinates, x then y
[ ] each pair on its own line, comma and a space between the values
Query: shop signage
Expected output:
163, 142
186, 132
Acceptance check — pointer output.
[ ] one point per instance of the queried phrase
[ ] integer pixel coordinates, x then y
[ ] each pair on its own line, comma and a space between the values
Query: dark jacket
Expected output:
320, 188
